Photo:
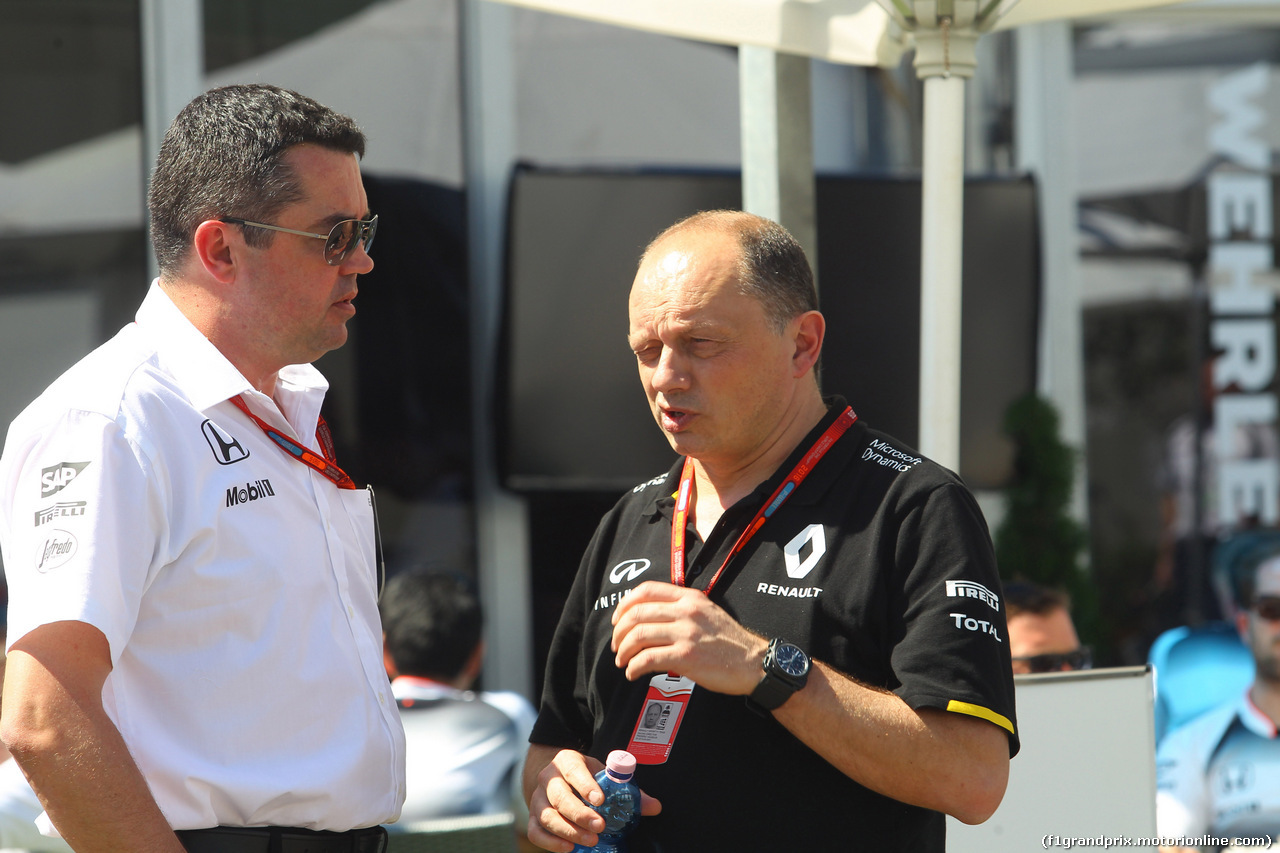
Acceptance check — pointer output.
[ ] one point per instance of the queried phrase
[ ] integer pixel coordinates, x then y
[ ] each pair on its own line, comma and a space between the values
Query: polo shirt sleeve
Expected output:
565, 718
81, 525
951, 649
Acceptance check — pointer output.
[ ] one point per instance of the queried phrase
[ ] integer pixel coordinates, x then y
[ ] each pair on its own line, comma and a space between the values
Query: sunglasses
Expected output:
338, 243
1268, 607
1081, 658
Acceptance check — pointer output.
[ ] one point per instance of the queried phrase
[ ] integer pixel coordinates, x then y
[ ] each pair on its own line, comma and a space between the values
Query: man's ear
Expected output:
215, 246
810, 329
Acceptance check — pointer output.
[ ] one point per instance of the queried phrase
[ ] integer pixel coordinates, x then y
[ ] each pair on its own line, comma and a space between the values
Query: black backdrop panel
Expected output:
869, 289
573, 415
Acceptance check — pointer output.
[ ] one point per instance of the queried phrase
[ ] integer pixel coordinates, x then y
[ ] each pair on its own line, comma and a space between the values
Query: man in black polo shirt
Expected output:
815, 605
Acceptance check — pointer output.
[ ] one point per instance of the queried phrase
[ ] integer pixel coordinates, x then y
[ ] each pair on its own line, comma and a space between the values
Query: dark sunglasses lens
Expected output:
345, 235
341, 239
1268, 607
1045, 663
1062, 662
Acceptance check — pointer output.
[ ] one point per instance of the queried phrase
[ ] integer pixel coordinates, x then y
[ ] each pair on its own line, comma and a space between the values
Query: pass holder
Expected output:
660, 718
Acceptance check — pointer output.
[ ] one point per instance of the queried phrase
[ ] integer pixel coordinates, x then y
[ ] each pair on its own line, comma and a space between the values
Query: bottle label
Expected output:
660, 717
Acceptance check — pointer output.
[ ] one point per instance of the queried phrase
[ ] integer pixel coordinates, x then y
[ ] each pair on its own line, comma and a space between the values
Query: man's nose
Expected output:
670, 372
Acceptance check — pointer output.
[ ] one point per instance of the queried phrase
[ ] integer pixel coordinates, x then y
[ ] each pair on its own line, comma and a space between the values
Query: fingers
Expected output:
651, 591
558, 818
664, 628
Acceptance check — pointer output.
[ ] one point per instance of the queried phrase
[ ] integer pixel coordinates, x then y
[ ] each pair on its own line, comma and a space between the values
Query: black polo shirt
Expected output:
879, 564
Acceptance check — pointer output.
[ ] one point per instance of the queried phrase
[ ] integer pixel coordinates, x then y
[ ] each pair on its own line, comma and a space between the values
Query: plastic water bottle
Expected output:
621, 807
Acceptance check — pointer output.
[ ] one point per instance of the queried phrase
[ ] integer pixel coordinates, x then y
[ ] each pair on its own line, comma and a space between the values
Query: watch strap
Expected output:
776, 686
770, 693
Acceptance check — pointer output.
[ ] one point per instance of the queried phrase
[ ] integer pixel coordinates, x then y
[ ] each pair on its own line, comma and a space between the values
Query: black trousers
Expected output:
282, 839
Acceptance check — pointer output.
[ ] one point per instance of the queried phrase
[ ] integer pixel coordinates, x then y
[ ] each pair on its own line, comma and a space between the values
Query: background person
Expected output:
1219, 774
465, 750
1042, 636
852, 679
194, 637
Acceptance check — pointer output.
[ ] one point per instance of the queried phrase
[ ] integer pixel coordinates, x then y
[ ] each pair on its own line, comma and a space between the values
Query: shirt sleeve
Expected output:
79, 522
951, 647
564, 716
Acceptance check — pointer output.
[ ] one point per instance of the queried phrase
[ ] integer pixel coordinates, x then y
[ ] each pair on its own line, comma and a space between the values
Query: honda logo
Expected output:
226, 450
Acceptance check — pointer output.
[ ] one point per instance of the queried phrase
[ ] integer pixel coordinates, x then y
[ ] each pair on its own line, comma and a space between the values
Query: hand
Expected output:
661, 627
558, 818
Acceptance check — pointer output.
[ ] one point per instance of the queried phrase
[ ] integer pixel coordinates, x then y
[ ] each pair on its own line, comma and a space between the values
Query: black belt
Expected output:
282, 839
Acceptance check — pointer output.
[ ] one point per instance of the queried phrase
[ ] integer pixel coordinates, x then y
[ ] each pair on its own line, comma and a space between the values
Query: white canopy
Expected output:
853, 32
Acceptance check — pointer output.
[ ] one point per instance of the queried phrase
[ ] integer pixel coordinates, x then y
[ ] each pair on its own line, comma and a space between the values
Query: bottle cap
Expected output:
620, 765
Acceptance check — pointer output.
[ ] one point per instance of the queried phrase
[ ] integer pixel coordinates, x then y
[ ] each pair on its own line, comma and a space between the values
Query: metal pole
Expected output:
172, 72
502, 536
945, 58
941, 233
777, 141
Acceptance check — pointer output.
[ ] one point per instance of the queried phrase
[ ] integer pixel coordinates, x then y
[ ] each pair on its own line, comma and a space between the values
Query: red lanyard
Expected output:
326, 465
777, 499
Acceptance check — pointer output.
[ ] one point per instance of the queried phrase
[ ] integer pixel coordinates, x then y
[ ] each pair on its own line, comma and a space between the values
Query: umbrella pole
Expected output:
941, 234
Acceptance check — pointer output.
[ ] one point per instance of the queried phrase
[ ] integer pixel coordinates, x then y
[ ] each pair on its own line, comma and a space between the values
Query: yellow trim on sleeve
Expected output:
979, 711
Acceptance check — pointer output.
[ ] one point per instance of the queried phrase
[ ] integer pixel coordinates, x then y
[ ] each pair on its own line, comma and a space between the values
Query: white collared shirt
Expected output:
235, 586
465, 750
1220, 774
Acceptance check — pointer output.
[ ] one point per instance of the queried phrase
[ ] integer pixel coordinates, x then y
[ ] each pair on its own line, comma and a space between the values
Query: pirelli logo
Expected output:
66, 509
972, 589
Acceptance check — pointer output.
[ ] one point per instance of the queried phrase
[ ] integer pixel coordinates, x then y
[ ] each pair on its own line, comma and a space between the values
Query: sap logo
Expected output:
797, 568
67, 509
57, 549
982, 626
226, 449
55, 478
971, 589
629, 570
250, 492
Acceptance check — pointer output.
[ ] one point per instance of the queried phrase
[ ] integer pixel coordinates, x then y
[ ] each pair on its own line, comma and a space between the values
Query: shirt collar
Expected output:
815, 486
1253, 719
423, 689
206, 376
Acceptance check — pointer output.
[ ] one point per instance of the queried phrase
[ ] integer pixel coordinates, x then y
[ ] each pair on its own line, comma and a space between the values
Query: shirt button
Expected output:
350, 612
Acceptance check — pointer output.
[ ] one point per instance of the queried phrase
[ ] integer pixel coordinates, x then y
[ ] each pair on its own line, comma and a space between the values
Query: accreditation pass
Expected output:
660, 716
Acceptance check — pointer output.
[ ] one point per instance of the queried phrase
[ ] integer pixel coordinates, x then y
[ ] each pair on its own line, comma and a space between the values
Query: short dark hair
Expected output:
772, 268
224, 156
1261, 547
432, 621
1027, 597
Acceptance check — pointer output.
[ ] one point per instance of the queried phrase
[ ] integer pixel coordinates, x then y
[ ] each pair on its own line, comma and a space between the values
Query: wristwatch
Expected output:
786, 668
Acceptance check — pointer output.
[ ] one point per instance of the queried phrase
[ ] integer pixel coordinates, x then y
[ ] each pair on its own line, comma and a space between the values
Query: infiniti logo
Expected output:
629, 570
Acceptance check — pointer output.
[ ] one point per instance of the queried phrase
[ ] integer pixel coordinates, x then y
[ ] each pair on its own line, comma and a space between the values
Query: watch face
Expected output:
791, 660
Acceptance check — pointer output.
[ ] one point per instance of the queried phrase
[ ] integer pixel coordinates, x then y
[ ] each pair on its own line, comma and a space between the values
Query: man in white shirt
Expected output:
1219, 775
465, 749
194, 645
